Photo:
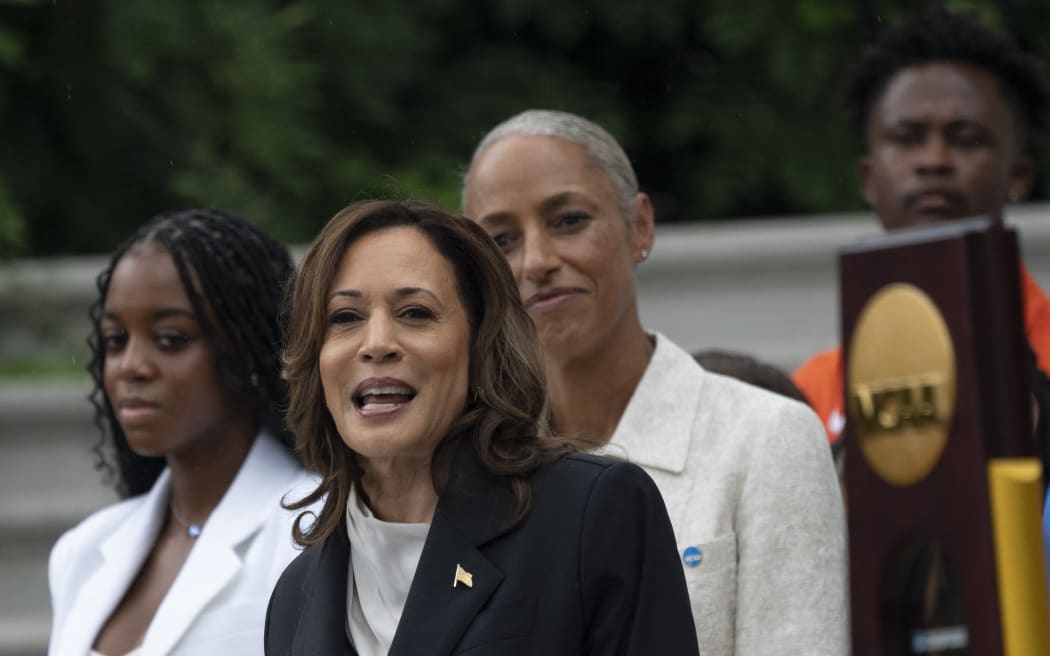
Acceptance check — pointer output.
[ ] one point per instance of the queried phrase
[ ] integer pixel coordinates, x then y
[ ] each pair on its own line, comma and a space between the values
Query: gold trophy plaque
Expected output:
944, 490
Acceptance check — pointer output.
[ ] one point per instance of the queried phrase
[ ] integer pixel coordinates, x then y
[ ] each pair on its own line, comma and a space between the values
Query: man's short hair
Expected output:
748, 369
938, 35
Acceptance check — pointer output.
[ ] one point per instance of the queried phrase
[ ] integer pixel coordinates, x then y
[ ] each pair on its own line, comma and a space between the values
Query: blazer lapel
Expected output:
120, 559
436, 614
214, 560
656, 426
656, 429
439, 608
322, 621
207, 571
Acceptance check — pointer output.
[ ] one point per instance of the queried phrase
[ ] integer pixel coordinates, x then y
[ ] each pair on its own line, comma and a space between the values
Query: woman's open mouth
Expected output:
375, 397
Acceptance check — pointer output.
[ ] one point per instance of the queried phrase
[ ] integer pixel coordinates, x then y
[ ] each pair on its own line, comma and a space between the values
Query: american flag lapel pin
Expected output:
463, 576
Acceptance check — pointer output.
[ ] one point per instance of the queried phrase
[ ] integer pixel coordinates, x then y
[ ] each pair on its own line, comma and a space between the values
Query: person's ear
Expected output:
1021, 175
642, 227
867, 183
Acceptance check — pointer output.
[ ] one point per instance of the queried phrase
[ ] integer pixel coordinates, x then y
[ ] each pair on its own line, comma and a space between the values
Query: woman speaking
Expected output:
453, 522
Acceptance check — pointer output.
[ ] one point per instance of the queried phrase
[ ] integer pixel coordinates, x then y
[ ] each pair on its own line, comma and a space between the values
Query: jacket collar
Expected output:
474, 509
215, 559
657, 425
212, 562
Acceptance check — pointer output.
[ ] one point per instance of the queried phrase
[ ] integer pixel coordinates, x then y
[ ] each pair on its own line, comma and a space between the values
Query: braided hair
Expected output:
939, 35
234, 275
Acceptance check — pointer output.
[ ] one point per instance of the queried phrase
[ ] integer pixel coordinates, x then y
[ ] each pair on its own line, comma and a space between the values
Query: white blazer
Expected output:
217, 603
749, 485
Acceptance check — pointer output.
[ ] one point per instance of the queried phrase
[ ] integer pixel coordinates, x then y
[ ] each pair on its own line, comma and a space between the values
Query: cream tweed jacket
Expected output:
749, 484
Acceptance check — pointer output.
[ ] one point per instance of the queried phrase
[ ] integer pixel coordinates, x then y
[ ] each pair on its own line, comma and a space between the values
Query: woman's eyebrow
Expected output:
351, 293
409, 291
173, 312
557, 200
163, 313
495, 219
400, 291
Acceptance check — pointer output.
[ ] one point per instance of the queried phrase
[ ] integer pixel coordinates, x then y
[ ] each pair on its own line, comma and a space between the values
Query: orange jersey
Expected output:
820, 377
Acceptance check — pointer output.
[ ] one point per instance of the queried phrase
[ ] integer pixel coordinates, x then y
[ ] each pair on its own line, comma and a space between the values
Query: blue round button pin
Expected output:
692, 557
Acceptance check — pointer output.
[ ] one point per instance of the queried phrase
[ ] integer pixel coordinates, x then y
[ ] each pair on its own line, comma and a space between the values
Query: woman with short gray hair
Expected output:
746, 475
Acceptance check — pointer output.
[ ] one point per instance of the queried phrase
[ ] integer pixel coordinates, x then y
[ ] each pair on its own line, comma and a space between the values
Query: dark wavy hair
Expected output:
234, 275
505, 420
939, 35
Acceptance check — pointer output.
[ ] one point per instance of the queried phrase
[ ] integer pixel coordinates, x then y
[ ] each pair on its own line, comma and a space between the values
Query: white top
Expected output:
751, 491
383, 560
137, 651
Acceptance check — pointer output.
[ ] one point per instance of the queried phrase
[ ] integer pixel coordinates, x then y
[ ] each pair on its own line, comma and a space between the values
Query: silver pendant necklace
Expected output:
193, 530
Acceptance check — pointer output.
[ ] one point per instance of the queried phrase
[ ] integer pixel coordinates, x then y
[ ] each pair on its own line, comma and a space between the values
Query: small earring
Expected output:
644, 254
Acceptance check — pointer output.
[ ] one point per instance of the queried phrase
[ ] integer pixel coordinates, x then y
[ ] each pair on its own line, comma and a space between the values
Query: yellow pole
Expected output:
1016, 490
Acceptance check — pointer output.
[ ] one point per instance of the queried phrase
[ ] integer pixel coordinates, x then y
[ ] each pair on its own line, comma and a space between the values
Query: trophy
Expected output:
944, 487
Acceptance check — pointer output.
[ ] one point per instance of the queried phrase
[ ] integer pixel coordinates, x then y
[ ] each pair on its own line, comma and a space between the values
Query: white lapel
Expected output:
656, 429
120, 558
657, 425
267, 472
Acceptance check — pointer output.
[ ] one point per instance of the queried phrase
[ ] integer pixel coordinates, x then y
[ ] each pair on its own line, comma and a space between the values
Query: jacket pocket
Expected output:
499, 624
710, 574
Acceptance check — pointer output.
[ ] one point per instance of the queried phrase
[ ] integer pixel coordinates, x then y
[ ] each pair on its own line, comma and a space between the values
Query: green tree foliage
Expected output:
285, 111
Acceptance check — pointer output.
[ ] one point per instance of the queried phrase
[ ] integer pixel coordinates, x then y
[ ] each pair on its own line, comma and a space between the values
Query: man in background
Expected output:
944, 106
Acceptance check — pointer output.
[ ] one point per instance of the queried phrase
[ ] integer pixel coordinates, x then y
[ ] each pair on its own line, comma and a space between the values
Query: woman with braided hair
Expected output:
189, 399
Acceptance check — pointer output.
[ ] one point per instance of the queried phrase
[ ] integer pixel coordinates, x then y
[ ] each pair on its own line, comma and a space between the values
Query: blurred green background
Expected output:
111, 111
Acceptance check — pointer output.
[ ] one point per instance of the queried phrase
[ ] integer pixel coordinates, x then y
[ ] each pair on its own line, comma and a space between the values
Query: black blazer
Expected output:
592, 569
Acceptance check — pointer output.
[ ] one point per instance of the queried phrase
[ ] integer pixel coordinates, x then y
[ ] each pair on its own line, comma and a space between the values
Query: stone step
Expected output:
47, 476
25, 605
48, 484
